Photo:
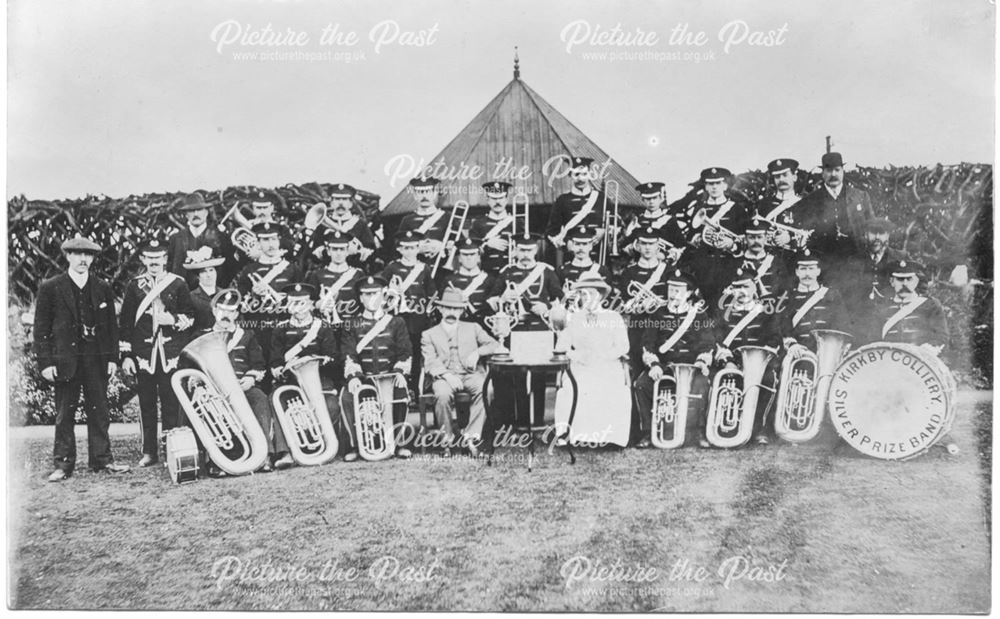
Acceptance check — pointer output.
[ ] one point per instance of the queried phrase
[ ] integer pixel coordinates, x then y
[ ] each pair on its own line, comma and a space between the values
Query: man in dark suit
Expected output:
836, 213
197, 234
76, 341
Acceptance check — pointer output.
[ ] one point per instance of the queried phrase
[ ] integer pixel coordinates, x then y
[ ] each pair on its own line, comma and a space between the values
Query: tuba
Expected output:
805, 385
301, 410
218, 409
452, 234
373, 404
733, 406
671, 395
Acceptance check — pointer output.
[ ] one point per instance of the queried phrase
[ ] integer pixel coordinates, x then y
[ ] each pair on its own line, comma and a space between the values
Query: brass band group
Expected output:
715, 323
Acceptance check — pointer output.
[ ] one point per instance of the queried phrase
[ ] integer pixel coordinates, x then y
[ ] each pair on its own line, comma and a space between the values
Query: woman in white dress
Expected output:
596, 341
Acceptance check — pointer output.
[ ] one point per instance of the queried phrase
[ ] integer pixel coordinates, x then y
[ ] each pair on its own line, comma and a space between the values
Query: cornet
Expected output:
269, 292
713, 234
805, 385
217, 408
303, 415
799, 237
642, 299
733, 404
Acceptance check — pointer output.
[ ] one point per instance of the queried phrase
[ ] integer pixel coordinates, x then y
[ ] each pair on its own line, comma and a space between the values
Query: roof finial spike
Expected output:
517, 65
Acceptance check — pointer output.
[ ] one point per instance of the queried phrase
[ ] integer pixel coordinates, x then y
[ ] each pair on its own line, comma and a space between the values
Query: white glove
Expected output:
656, 372
128, 366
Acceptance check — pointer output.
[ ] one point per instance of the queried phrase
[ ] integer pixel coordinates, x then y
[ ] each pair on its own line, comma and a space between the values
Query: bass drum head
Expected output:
892, 401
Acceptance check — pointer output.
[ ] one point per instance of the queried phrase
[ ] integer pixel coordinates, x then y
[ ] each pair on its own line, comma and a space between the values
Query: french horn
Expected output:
805, 386
303, 415
733, 404
217, 408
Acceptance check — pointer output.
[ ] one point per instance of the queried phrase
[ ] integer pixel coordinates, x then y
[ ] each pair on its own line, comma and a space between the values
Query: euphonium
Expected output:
301, 410
373, 404
671, 395
218, 409
805, 385
733, 405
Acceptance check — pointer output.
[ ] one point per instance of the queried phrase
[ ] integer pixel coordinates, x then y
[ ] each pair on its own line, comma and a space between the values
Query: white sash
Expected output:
810, 303
306, 340
234, 339
726, 207
583, 212
654, 277
334, 290
681, 330
784, 206
153, 294
411, 278
430, 221
902, 313
476, 281
659, 222
274, 272
742, 324
765, 264
497, 228
373, 333
532, 277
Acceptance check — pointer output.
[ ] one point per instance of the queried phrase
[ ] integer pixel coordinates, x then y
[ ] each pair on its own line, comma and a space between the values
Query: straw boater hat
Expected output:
202, 258
592, 280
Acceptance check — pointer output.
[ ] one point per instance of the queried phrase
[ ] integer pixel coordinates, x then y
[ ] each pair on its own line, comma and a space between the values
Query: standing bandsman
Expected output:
346, 220
260, 282
75, 335
410, 280
909, 317
744, 322
474, 283
717, 210
156, 316
493, 230
205, 265
684, 333
375, 342
301, 336
583, 204
777, 206
643, 291
669, 226
770, 273
429, 221
580, 242
810, 306
196, 234
335, 283
262, 209
836, 213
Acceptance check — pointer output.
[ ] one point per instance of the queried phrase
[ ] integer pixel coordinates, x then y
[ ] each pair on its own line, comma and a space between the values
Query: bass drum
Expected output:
892, 401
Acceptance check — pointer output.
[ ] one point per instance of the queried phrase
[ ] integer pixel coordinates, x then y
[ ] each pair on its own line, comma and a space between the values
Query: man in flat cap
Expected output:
195, 235
836, 213
75, 341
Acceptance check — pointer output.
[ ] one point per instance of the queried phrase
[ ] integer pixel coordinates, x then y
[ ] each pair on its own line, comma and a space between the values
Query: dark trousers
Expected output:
91, 378
697, 406
260, 404
152, 388
416, 324
511, 404
347, 430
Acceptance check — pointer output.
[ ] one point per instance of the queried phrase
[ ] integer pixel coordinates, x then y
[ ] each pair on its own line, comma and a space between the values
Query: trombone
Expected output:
519, 210
612, 224
451, 235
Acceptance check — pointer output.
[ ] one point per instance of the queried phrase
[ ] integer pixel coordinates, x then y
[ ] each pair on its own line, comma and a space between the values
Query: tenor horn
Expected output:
304, 418
733, 406
219, 411
671, 401
373, 425
805, 385
456, 221
242, 236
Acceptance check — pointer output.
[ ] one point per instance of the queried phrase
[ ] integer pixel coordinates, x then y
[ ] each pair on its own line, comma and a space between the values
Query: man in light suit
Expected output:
451, 351
76, 342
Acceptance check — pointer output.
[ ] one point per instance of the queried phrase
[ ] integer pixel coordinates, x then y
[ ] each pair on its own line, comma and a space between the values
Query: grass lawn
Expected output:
796, 528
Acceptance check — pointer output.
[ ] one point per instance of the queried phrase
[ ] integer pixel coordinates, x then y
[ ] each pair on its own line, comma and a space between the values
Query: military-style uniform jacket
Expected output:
735, 216
245, 353
278, 275
355, 225
569, 272
924, 324
290, 341
697, 335
825, 311
568, 205
759, 330
669, 227
772, 273
542, 286
433, 225
636, 276
476, 288
418, 290
144, 341
338, 287
485, 226
375, 345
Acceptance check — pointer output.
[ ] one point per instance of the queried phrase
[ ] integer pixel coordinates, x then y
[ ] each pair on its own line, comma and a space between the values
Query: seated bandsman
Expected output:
643, 290
474, 283
247, 360
770, 271
260, 283
410, 281
684, 333
580, 243
493, 230
452, 350
744, 322
429, 221
156, 317
810, 306
205, 264
301, 336
375, 342
668, 226
335, 282
909, 317
341, 217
